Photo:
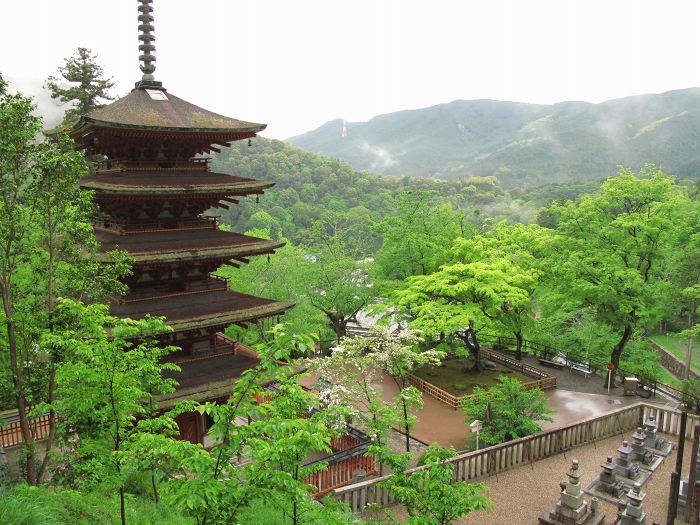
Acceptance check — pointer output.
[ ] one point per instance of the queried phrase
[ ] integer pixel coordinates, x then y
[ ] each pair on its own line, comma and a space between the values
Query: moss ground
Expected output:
452, 377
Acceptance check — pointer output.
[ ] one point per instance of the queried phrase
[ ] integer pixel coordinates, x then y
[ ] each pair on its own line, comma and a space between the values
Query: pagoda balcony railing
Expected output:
213, 284
124, 228
223, 345
121, 165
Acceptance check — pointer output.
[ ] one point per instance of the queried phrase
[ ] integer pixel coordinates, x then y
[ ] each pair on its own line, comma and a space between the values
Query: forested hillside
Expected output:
310, 187
524, 145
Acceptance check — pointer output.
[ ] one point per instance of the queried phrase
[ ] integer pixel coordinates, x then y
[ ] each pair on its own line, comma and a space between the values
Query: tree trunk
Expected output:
122, 505
20, 395
518, 345
689, 349
156, 495
338, 323
617, 352
405, 423
468, 337
52, 428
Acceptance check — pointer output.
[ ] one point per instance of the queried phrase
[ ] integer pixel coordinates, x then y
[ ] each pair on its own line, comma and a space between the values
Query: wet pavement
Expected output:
438, 423
575, 398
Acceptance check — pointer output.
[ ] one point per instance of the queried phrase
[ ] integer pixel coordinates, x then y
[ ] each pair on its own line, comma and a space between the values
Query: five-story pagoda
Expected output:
153, 189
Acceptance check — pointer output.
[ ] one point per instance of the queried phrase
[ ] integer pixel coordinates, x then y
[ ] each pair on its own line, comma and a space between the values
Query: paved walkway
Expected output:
576, 397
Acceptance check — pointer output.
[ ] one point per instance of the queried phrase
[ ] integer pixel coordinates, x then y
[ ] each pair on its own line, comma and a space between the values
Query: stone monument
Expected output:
606, 485
639, 452
654, 443
572, 508
633, 513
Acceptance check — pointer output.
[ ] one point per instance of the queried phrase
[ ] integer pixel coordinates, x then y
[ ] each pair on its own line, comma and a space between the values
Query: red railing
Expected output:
344, 442
167, 225
340, 474
117, 165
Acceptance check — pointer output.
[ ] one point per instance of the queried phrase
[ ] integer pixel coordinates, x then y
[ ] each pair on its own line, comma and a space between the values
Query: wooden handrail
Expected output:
491, 460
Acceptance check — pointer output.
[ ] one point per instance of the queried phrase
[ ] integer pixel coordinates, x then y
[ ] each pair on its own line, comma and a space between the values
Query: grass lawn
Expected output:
678, 347
452, 378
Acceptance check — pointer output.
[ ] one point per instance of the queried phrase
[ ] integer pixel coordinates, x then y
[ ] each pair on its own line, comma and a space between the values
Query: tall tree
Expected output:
18, 129
114, 370
523, 251
338, 282
461, 299
417, 236
87, 87
3, 85
611, 247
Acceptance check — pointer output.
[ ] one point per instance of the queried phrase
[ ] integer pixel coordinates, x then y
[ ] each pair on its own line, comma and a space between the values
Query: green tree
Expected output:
87, 88
507, 411
18, 150
430, 493
48, 250
113, 371
279, 277
417, 236
3, 86
269, 448
522, 251
338, 282
611, 247
461, 299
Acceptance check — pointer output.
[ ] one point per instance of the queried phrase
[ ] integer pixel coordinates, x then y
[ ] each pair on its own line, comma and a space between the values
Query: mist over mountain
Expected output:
524, 145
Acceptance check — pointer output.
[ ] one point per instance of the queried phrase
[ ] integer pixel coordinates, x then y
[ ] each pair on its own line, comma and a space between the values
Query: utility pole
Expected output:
676, 475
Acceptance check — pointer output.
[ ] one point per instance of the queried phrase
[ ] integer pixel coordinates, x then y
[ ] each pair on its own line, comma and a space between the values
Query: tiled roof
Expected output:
168, 246
140, 109
213, 308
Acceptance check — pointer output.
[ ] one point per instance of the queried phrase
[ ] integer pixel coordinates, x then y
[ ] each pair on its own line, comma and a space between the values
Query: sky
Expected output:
298, 64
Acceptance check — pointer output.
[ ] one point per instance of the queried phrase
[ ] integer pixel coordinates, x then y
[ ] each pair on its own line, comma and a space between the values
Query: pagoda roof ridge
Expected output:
152, 108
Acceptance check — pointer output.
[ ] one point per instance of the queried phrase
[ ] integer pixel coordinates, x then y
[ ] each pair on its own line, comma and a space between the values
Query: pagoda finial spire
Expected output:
147, 49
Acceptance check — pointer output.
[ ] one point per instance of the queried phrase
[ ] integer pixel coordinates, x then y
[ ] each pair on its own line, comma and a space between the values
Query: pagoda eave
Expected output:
228, 318
220, 254
207, 379
206, 310
139, 186
167, 246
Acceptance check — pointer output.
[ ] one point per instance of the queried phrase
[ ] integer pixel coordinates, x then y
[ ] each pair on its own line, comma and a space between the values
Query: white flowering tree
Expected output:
356, 366
396, 353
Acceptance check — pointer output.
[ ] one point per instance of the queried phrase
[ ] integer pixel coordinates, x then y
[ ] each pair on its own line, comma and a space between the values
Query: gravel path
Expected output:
522, 494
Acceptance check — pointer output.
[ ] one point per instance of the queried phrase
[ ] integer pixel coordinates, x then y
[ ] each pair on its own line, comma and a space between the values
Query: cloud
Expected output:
381, 156
50, 110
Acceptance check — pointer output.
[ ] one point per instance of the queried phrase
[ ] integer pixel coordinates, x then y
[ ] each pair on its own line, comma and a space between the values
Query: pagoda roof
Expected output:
206, 378
153, 108
214, 308
172, 183
183, 245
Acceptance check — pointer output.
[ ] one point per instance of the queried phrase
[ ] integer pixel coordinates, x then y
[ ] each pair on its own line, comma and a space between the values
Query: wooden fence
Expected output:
11, 433
543, 380
472, 466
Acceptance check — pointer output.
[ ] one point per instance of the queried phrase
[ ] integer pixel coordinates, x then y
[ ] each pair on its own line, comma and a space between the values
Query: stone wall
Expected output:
670, 362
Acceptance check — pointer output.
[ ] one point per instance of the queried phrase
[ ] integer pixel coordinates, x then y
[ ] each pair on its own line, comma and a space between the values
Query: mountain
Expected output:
524, 145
